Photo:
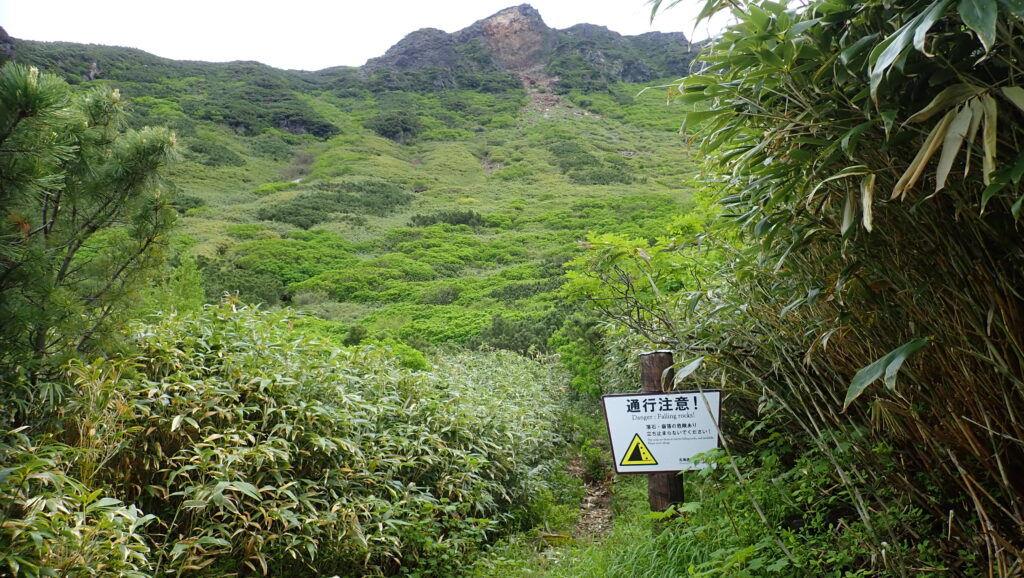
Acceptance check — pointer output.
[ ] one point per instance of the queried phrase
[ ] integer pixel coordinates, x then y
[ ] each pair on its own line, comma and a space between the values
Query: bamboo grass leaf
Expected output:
886, 367
989, 192
888, 120
851, 171
849, 212
950, 96
698, 117
884, 55
890, 50
988, 141
1017, 171
1007, 175
848, 142
1014, 94
867, 194
688, 369
1015, 7
951, 145
928, 18
980, 16
896, 359
246, 488
977, 113
924, 154
856, 49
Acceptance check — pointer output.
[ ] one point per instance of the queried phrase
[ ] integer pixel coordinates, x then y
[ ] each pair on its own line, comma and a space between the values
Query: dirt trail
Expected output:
596, 509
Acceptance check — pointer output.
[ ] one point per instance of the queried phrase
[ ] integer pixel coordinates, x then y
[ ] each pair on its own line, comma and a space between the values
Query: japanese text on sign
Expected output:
661, 432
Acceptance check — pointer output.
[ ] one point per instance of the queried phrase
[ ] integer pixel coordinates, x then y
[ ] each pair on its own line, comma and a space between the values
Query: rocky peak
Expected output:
517, 36
516, 42
424, 48
6, 46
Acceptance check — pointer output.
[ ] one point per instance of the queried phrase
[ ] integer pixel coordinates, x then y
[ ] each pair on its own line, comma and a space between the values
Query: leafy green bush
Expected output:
222, 278
53, 524
272, 144
400, 126
516, 172
469, 218
600, 176
527, 334
250, 231
213, 154
353, 197
182, 203
268, 188
253, 449
571, 155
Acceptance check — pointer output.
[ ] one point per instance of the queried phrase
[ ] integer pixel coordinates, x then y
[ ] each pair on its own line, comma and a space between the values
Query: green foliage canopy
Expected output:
85, 213
252, 448
869, 153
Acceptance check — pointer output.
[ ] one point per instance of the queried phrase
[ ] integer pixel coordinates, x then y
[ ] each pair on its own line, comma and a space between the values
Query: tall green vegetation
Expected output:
868, 154
230, 443
85, 215
229, 440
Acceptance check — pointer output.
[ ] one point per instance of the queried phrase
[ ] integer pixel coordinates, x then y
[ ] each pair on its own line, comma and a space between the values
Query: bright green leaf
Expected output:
1015, 7
688, 369
980, 16
885, 367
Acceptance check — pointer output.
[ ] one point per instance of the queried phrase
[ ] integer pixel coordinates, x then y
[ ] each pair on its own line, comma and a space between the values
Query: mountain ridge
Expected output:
514, 39
509, 54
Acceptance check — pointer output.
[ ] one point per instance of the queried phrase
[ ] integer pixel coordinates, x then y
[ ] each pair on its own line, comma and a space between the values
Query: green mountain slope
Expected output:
432, 199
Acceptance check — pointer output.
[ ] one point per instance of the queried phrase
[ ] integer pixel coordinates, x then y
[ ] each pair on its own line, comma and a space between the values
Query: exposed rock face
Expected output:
6, 46
517, 36
590, 44
94, 72
420, 50
516, 40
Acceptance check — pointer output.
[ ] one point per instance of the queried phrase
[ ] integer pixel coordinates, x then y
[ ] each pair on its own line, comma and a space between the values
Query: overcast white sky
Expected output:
299, 34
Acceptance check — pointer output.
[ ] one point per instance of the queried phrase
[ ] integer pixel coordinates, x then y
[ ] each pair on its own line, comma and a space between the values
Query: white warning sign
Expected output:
661, 432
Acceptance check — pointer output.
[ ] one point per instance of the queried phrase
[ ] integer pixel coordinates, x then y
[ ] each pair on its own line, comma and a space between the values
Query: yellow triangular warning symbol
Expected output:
637, 454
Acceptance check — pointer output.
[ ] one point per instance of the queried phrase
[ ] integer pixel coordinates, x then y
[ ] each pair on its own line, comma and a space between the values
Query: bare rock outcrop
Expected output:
6, 46
517, 36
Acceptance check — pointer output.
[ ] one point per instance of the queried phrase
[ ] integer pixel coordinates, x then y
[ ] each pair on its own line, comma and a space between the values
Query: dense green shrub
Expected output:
85, 216
528, 334
222, 278
820, 126
470, 218
182, 203
400, 126
571, 155
272, 144
213, 154
252, 449
353, 197
600, 176
268, 188
53, 524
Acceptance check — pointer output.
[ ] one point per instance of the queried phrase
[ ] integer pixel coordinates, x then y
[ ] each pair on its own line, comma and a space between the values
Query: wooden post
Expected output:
656, 376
